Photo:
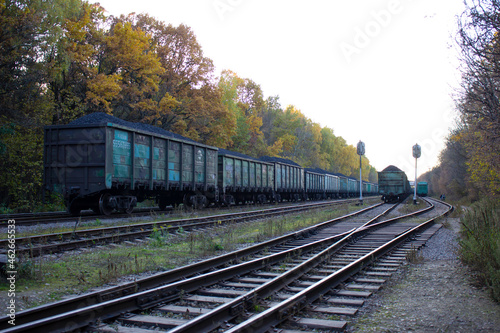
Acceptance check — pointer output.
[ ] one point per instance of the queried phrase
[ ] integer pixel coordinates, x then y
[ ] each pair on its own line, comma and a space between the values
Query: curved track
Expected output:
305, 256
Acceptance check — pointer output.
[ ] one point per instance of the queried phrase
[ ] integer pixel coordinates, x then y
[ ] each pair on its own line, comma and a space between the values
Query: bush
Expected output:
480, 243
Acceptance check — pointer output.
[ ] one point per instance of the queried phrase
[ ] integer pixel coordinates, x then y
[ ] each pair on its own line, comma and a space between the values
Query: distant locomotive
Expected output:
103, 163
393, 184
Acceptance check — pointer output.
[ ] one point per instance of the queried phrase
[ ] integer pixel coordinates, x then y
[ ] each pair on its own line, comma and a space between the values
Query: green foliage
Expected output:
469, 164
159, 237
22, 167
62, 59
480, 243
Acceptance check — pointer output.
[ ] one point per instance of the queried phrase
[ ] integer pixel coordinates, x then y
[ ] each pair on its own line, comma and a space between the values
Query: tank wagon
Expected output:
103, 163
393, 184
422, 189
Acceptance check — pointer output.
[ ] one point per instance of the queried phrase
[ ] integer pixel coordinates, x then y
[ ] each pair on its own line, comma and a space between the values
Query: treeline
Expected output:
470, 163
62, 59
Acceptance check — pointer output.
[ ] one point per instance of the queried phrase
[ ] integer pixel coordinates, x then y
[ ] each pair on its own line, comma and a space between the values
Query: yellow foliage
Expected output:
102, 89
276, 149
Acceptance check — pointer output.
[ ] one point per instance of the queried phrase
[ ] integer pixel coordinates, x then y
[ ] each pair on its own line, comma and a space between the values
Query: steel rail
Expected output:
40, 244
26, 219
48, 310
284, 310
79, 318
76, 319
225, 312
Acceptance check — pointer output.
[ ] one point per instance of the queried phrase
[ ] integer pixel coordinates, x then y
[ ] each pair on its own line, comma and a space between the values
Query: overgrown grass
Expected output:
409, 207
480, 243
414, 256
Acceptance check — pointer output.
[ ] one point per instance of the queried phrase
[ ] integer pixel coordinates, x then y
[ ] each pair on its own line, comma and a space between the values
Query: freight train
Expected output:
103, 163
422, 189
393, 184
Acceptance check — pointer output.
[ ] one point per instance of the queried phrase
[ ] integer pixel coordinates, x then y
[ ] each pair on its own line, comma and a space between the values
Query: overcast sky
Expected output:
380, 71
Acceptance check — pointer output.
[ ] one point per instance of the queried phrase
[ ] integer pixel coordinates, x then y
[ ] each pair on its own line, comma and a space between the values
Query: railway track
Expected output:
294, 272
28, 219
183, 272
37, 245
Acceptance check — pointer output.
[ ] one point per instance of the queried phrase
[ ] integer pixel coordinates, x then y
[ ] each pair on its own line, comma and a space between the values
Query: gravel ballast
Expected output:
436, 295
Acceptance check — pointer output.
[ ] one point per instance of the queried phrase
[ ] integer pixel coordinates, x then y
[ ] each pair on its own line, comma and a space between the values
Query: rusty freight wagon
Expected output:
314, 184
288, 178
243, 179
422, 189
321, 184
393, 184
103, 163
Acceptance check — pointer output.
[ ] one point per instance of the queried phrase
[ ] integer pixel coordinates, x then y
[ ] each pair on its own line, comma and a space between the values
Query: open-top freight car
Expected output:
352, 187
370, 188
288, 179
105, 163
242, 178
343, 185
314, 183
422, 189
393, 184
332, 184
320, 184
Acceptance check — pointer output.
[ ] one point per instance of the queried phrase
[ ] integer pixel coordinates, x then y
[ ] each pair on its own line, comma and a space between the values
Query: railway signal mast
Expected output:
360, 151
417, 151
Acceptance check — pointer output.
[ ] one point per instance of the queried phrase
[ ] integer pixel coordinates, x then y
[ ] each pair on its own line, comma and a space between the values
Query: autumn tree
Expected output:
189, 100
244, 100
72, 65
61, 59
478, 103
29, 32
451, 176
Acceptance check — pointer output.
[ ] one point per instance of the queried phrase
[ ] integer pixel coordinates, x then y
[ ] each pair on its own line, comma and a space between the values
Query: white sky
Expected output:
380, 71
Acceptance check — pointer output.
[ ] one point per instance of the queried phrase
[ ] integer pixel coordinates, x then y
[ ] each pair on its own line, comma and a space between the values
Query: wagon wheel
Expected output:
104, 204
201, 202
